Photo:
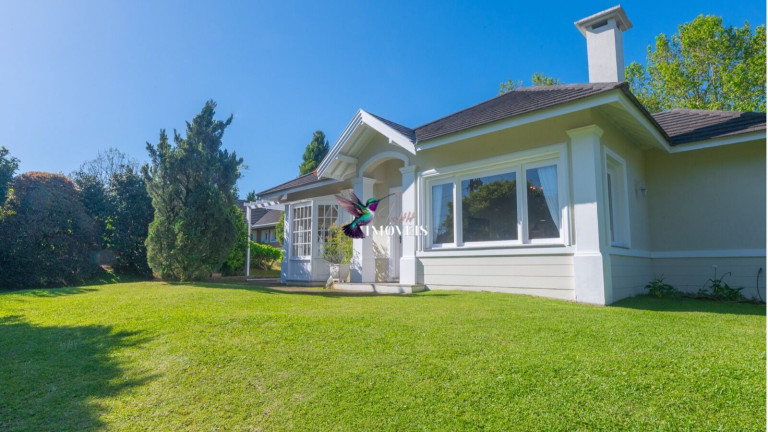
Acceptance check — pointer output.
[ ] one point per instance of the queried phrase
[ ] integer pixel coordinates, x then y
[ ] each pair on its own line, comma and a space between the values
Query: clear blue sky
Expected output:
77, 77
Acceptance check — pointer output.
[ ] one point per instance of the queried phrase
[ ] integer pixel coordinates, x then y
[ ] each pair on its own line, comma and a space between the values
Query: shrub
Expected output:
719, 290
48, 238
338, 247
658, 288
235, 263
264, 256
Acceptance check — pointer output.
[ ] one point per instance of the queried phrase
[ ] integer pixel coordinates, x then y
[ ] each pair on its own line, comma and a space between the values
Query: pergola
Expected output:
251, 205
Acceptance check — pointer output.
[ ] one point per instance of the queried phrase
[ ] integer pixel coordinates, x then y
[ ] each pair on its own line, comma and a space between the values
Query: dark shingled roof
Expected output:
269, 217
680, 126
510, 104
298, 181
685, 125
408, 132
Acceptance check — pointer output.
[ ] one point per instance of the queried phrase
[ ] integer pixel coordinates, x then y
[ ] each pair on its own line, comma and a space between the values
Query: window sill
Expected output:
526, 249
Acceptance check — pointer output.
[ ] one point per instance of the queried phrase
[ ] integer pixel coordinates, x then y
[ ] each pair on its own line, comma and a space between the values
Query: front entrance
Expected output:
396, 239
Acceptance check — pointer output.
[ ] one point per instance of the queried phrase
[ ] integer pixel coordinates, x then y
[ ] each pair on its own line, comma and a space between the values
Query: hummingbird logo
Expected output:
362, 213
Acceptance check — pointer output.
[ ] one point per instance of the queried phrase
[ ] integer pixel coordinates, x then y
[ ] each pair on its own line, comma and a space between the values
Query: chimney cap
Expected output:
617, 13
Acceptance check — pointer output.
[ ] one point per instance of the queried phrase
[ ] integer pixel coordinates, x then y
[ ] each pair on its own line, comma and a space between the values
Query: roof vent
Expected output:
605, 46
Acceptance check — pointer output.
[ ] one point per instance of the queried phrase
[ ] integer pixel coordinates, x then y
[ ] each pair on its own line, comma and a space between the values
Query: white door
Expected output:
396, 239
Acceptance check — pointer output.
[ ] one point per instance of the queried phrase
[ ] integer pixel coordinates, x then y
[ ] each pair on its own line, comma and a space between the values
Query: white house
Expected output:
573, 192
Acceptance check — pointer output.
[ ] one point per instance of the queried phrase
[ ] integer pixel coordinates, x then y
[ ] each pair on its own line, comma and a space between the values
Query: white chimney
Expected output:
605, 48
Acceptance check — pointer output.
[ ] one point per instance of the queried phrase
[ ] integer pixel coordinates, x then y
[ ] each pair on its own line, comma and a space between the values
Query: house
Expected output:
573, 192
263, 224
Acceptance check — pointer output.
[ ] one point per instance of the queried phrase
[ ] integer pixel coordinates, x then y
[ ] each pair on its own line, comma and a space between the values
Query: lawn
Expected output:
155, 356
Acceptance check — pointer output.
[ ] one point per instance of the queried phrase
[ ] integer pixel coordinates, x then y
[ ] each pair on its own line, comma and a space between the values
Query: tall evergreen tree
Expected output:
192, 186
314, 153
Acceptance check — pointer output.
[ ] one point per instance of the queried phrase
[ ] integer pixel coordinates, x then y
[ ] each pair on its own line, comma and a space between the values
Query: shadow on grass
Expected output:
646, 302
52, 377
51, 292
307, 291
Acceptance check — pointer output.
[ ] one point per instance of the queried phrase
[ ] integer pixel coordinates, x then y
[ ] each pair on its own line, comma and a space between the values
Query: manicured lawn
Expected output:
153, 356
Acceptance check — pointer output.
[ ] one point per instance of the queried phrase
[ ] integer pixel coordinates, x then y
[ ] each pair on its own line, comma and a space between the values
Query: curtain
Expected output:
437, 206
548, 179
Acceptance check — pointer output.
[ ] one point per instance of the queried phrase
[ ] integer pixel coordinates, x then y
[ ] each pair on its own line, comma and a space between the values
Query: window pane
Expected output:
442, 213
302, 224
543, 203
489, 208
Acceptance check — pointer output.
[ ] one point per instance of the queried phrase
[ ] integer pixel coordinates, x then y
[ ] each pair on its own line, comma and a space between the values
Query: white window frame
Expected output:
460, 205
316, 228
294, 244
517, 162
616, 201
441, 182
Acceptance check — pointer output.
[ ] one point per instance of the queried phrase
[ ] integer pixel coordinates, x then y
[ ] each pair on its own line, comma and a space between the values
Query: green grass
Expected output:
154, 356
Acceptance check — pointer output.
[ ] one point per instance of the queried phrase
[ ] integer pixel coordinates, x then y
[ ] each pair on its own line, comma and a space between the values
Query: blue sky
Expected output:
77, 77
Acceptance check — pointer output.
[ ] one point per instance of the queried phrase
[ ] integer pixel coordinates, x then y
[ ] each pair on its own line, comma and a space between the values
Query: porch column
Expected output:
248, 253
591, 262
285, 266
363, 268
408, 259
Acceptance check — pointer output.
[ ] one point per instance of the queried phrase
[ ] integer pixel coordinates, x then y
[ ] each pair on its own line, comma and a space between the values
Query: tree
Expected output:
705, 65
192, 186
280, 229
537, 79
115, 195
251, 196
235, 263
48, 237
314, 153
107, 163
8, 167
128, 223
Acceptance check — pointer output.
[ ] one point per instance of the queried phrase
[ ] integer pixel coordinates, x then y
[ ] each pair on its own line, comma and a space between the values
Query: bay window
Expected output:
301, 231
327, 216
503, 202
489, 208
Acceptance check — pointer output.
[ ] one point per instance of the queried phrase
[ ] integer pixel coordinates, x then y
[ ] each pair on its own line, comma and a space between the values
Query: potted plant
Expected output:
337, 250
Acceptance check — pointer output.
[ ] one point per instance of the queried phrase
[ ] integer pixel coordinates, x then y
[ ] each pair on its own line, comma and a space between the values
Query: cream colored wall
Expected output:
709, 199
551, 131
634, 156
539, 275
629, 275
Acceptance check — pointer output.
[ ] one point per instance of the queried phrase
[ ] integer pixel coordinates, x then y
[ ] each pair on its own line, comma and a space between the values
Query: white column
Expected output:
408, 267
248, 230
285, 266
591, 262
363, 268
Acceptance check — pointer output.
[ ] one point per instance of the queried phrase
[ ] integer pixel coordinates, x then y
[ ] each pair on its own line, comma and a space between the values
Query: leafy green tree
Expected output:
251, 196
48, 237
537, 79
705, 65
314, 153
192, 186
8, 167
128, 223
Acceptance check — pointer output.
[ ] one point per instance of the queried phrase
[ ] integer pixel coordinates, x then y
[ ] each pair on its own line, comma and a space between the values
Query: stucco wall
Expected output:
709, 199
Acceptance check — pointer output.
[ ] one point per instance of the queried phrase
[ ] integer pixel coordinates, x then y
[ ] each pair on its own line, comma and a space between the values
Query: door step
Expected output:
379, 287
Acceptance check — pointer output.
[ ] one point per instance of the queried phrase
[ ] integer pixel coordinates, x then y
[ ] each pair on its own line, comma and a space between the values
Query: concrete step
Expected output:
379, 287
